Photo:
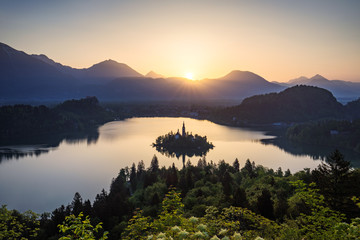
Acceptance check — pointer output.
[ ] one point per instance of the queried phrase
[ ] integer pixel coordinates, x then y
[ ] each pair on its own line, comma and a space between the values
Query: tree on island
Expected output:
182, 144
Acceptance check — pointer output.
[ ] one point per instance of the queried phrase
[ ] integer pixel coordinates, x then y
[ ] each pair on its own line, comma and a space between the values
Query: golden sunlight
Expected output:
189, 75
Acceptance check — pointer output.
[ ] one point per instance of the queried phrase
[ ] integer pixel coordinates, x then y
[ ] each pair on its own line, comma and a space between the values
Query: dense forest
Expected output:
345, 134
70, 116
207, 201
293, 105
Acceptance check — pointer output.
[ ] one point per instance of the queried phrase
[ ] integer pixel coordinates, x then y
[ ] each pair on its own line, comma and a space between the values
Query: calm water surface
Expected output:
48, 180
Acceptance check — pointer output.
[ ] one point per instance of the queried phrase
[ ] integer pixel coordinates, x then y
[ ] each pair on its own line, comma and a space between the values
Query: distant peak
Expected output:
153, 74
109, 61
236, 73
112, 69
318, 77
243, 76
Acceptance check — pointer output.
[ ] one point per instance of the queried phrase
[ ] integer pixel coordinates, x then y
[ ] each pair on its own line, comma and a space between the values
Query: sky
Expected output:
279, 40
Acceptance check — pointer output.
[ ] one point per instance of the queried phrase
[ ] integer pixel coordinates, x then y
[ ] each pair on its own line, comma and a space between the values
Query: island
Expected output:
184, 144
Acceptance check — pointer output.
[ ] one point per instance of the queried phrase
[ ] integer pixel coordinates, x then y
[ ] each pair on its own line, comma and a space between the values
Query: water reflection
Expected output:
316, 152
37, 145
16, 152
47, 175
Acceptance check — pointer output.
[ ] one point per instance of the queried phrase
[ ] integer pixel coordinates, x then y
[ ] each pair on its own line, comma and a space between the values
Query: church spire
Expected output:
183, 129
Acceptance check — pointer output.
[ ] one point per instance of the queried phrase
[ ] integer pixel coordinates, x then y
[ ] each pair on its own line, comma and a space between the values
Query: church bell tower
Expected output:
183, 129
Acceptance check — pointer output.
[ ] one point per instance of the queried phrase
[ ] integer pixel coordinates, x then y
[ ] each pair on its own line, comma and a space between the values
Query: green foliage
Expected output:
171, 224
138, 227
348, 231
75, 227
337, 133
219, 202
74, 115
356, 200
172, 211
320, 220
14, 225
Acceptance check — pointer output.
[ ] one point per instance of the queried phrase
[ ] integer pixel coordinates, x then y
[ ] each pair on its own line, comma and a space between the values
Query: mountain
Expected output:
234, 86
18, 67
240, 84
26, 77
341, 89
153, 74
295, 104
103, 71
243, 76
110, 69
23, 77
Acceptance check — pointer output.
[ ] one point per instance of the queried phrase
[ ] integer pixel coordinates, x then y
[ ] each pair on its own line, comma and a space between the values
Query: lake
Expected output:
43, 177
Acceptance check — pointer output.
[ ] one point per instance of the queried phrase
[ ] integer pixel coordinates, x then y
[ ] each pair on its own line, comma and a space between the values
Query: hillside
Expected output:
17, 122
23, 76
353, 108
209, 200
295, 104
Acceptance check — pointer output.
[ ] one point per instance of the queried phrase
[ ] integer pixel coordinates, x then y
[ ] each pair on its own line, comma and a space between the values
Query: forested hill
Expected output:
295, 104
73, 115
354, 108
211, 201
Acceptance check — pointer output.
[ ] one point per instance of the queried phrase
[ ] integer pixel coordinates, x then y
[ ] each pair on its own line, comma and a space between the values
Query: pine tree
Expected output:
154, 165
140, 169
332, 176
236, 165
77, 204
133, 177
240, 199
226, 183
265, 205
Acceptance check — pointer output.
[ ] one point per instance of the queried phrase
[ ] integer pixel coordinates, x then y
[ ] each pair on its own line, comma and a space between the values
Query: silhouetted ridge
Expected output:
26, 77
340, 89
295, 104
111, 69
247, 76
22, 77
318, 77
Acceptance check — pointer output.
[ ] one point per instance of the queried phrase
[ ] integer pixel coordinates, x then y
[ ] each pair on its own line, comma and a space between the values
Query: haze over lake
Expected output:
45, 182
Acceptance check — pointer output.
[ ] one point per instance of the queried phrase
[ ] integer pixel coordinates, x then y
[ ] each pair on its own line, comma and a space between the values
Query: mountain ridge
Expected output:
38, 77
340, 88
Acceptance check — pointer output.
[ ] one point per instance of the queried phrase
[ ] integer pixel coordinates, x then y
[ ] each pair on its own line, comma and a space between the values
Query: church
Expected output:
177, 135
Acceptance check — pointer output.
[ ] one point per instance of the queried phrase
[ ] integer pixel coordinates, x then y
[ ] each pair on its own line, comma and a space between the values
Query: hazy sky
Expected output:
278, 40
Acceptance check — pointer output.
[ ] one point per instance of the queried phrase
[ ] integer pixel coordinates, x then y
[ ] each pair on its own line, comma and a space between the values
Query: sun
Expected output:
189, 75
